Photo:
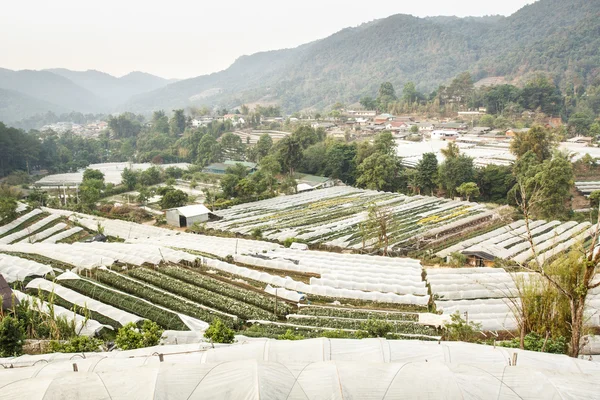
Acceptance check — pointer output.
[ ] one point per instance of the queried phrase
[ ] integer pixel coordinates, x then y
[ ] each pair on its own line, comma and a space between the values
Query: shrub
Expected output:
12, 337
460, 330
218, 332
78, 344
289, 335
536, 342
131, 337
376, 327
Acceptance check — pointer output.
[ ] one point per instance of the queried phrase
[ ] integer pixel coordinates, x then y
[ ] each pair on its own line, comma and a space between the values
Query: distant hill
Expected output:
15, 106
560, 37
112, 90
27, 92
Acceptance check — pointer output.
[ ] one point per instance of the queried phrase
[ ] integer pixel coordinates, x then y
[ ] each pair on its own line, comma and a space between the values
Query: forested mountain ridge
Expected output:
553, 36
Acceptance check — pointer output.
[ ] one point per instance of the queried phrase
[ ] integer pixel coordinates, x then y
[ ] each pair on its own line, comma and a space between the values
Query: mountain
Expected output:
26, 93
559, 37
15, 106
112, 90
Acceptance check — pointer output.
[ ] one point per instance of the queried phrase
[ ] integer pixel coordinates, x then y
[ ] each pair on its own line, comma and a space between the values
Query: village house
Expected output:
185, 217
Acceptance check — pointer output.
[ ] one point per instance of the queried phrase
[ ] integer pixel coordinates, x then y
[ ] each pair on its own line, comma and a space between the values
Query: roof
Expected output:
303, 187
191, 211
312, 178
246, 164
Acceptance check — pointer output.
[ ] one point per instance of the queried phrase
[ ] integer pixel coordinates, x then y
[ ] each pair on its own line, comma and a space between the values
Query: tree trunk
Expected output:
577, 308
522, 337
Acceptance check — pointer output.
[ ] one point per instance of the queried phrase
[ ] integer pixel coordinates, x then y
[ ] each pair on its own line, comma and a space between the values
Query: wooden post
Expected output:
275, 302
75, 369
514, 359
161, 357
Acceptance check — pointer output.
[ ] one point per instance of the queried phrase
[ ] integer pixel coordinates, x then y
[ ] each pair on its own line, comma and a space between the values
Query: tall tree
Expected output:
177, 123
160, 122
386, 96
455, 171
538, 140
426, 176
209, 150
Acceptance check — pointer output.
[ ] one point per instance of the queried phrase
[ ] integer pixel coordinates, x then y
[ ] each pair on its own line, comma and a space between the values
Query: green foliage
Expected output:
124, 126
460, 330
458, 260
209, 150
12, 337
177, 123
468, 190
427, 170
290, 335
494, 182
454, 172
536, 342
173, 198
77, 344
8, 208
377, 327
380, 172
538, 140
386, 96
218, 332
131, 337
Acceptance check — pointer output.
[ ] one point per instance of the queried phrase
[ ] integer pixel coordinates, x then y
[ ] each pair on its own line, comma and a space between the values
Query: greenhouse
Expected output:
310, 369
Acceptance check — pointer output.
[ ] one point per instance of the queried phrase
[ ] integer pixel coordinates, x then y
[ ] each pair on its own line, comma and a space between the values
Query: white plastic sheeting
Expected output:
311, 369
63, 235
83, 325
23, 218
80, 300
285, 294
44, 234
29, 230
16, 269
326, 291
92, 255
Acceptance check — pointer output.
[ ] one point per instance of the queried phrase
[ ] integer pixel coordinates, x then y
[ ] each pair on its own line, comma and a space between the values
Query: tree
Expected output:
150, 177
538, 139
380, 172
8, 208
290, 153
131, 337
379, 221
129, 178
270, 167
232, 146
544, 186
12, 337
409, 93
368, 103
455, 171
160, 122
468, 190
461, 330
340, 162
426, 176
386, 96
177, 123
209, 150
541, 93
494, 182
92, 174
579, 124
263, 146
173, 198
451, 151
384, 143
218, 332
124, 126
414, 129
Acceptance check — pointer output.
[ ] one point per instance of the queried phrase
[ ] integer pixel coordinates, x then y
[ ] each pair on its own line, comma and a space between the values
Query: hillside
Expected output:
559, 37
26, 93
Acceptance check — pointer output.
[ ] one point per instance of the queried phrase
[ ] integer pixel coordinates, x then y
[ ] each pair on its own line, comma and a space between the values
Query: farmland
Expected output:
336, 217
184, 281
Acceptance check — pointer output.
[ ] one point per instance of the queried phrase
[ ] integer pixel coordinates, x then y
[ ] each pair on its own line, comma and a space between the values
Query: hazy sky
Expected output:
180, 39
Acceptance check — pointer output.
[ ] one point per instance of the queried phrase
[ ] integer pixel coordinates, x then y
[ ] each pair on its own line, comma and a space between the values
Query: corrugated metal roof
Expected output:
191, 211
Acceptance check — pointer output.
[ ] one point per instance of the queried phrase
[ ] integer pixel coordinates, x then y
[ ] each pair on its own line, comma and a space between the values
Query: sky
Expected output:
184, 38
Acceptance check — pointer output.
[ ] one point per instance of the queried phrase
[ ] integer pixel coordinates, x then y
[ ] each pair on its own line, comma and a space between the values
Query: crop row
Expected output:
159, 297
53, 298
166, 319
225, 289
400, 327
357, 313
202, 295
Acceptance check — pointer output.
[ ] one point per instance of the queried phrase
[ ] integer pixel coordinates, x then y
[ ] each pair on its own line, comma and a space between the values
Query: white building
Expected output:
186, 216
443, 135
